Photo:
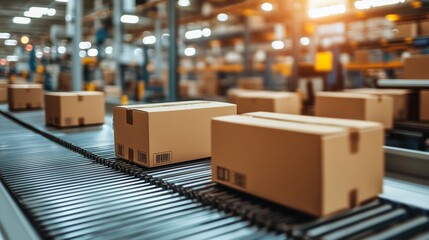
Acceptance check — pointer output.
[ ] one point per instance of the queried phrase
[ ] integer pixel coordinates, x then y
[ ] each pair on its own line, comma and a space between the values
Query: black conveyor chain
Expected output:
192, 180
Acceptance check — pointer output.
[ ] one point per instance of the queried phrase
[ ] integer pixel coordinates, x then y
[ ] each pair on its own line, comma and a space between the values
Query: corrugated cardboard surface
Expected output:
406, 30
255, 83
400, 99
68, 109
424, 28
159, 134
25, 96
355, 106
416, 67
316, 165
281, 102
424, 105
3, 91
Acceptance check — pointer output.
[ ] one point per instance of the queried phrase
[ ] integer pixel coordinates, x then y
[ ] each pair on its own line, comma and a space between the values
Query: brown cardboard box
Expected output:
159, 134
64, 81
400, 99
355, 106
109, 77
416, 67
208, 83
69, 109
3, 91
281, 102
233, 92
112, 91
361, 56
255, 83
25, 96
405, 30
316, 165
424, 28
424, 105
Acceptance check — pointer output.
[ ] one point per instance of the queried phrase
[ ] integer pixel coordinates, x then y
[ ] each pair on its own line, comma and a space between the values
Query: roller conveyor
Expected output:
88, 193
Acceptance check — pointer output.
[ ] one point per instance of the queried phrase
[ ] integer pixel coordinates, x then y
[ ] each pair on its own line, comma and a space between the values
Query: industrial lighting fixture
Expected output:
39, 54
3, 61
62, 49
222, 17
25, 39
46, 49
149, 40
39, 10
327, 11
305, 41
189, 51
28, 47
10, 42
184, 3
267, 7
277, 44
92, 52
64, 1
51, 12
12, 58
108, 50
193, 34
4, 35
366, 4
133, 19
82, 53
21, 20
85, 45
206, 32
33, 14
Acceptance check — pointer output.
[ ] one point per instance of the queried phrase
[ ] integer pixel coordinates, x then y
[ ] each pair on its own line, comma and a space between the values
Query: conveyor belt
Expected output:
189, 182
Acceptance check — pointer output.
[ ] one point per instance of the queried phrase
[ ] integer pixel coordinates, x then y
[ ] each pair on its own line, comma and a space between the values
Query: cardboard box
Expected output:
233, 92
424, 28
159, 134
208, 83
112, 91
316, 165
416, 67
3, 91
400, 99
64, 81
404, 30
71, 109
281, 102
254, 83
424, 105
25, 96
356, 106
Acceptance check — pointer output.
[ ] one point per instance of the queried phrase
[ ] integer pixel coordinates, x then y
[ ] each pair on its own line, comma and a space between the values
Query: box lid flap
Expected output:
175, 106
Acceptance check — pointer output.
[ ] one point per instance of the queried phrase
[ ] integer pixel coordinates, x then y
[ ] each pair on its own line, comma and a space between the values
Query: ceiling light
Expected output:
10, 42
32, 14
46, 49
108, 50
327, 11
64, 1
40, 10
277, 44
193, 34
133, 19
184, 3
12, 58
92, 52
190, 51
25, 39
138, 51
206, 32
62, 49
85, 45
4, 35
149, 40
52, 12
21, 20
3, 61
305, 41
222, 17
267, 7
82, 53
29, 47
366, 4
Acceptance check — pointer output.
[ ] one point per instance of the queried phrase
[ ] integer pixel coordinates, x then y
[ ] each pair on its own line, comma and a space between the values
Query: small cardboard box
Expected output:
254, 83
71, 109
416, 67
64, 81
404, 30
25, 96
3, 91
281, 102
233, 92
424, 28
316, 165
377, 108
159, 134
424, 105
400, 99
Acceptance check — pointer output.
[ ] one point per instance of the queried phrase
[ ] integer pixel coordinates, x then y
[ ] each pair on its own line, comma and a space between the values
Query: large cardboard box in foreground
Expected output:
158, 134
316, 165
400, 99
25, 96
281, 102
255, 83
3, 91
424, 105
377, 108
69, 109
416, 67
